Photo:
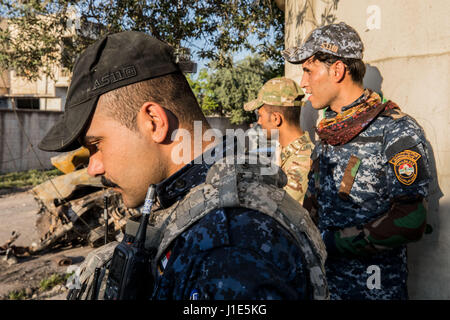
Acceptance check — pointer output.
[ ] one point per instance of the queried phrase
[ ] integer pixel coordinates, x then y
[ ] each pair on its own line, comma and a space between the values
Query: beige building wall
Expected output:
407, 48
50, 92
21, 86
50, 104
45, 89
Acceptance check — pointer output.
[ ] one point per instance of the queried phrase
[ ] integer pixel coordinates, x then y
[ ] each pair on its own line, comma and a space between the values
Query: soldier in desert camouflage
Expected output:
279, 104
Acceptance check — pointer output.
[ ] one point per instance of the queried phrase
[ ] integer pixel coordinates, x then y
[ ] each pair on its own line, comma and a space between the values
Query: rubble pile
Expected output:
11, 252
72, 210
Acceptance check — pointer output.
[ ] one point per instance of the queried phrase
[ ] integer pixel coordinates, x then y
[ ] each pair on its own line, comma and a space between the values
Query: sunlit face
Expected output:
317, 82
265, 121
122, 156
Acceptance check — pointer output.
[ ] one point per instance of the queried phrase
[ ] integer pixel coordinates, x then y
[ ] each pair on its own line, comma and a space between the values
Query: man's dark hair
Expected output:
356, 67
171, 91
291, 114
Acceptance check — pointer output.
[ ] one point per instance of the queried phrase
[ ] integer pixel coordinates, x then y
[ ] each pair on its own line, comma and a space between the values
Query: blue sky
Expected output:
201, 63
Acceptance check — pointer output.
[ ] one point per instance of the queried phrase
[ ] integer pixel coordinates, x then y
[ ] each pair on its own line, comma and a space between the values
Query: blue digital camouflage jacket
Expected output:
231, 253
368, 228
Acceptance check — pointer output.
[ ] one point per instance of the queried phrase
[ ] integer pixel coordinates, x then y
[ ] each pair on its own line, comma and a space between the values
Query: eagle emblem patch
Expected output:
405, 166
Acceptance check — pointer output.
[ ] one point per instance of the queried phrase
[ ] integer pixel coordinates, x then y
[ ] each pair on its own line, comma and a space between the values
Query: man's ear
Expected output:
153, 122
338, 70
276, 118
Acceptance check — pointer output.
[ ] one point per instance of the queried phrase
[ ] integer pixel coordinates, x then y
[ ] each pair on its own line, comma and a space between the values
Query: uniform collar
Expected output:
331, 114
191, 175
294, 146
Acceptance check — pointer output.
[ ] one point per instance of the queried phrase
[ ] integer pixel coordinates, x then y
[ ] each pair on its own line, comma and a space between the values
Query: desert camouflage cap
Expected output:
338, 39
277, 92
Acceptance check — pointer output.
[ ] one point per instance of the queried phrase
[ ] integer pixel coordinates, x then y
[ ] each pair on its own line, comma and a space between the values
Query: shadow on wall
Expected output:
435, 193
417, 252
426, 264
373, 79
308, 120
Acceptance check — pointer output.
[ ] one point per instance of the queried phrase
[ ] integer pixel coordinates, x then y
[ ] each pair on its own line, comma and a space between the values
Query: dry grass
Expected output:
28, 178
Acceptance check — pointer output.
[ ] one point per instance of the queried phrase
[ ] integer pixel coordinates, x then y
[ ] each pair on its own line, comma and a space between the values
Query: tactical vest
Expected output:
231, 185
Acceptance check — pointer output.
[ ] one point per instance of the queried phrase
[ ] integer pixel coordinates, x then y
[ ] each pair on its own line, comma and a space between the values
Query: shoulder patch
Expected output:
405, 166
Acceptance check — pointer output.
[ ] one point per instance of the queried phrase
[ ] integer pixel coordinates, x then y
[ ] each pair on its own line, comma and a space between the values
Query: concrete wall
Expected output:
407, 50
16, 152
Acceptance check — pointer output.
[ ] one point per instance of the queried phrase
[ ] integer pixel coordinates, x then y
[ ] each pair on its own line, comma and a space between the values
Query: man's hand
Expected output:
405, 222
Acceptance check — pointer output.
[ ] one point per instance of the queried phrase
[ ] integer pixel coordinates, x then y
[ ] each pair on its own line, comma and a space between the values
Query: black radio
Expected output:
129, 275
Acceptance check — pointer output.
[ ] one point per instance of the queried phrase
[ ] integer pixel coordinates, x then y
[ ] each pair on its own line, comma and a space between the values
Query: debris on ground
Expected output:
71, 213
48, 287
30, 278
11, 252
72, 206
72, 209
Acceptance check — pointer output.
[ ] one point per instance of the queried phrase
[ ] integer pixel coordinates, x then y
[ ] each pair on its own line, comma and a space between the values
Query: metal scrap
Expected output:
62, 261
14, 236
71, 161
71, 210
10, 258
72, 206
11, 252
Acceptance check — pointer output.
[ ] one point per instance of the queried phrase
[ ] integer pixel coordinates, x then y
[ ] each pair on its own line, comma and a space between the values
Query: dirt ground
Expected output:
18, 211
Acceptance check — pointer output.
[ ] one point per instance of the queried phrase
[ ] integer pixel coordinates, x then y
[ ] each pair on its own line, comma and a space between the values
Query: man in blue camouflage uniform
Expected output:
228, 254
370, 171
126, 100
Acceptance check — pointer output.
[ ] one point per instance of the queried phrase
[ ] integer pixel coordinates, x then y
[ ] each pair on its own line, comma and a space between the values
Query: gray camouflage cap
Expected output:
337, 39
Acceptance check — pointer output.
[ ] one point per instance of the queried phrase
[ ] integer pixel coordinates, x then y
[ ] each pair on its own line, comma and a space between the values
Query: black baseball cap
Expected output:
112, 62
